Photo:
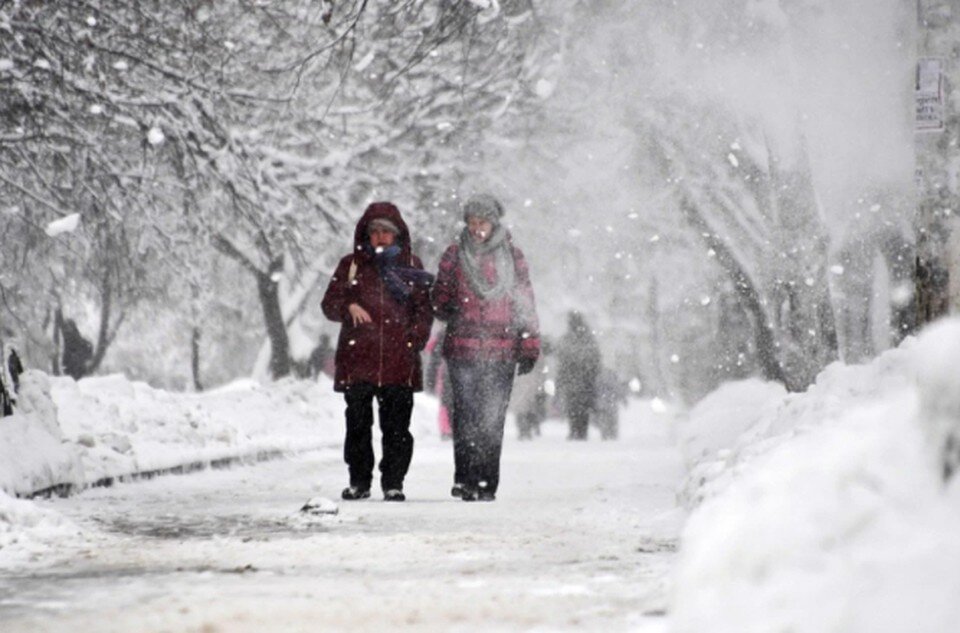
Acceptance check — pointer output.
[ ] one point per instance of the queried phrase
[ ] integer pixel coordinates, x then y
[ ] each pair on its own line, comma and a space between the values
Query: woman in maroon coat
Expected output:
483, 291
380, 294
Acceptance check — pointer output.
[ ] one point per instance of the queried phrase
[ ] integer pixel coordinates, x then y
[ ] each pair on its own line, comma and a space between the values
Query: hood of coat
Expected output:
385, 211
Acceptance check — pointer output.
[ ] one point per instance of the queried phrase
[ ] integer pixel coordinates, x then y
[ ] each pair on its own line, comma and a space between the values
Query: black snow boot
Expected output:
353, 493
394, 495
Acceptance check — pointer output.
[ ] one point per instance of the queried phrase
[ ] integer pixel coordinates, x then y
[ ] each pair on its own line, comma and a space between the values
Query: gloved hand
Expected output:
525, 366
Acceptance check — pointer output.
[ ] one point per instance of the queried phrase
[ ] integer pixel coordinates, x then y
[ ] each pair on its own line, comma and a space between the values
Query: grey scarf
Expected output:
499, 246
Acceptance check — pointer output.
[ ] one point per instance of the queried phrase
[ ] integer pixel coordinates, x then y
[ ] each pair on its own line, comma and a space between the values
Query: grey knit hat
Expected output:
383, 224
483, 205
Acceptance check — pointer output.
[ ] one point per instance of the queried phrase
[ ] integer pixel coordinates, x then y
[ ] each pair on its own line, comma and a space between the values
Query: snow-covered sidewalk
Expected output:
67, 436
581, 537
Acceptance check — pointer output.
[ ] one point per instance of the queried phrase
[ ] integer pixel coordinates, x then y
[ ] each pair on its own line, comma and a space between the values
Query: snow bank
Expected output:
826, 511
26, 529
77, 433
33, 452
121, 427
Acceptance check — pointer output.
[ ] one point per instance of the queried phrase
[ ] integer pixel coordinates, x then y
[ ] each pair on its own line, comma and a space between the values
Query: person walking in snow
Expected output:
530, 394
483, 292
10, 370
611, 395
578, 365
380, 295
321, 359
77, 350
438, 383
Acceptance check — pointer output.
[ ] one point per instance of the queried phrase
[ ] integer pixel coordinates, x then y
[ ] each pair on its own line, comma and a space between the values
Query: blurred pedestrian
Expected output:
321, 359
578, 364
380, 295
438, 383
529, 399
77, 349
10, 371
611, 394
483, 292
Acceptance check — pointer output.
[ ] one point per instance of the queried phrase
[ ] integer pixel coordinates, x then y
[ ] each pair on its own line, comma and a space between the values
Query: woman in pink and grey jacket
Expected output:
483, 292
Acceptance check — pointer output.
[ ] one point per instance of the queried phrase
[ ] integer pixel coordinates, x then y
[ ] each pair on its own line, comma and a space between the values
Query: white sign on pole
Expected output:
929, 95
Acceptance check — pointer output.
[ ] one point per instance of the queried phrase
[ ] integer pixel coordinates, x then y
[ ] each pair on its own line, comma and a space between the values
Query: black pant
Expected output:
481, 392
395, 405
579, 421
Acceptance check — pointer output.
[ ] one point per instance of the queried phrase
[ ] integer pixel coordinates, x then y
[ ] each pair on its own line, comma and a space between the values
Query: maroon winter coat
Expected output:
387, 350
502, 329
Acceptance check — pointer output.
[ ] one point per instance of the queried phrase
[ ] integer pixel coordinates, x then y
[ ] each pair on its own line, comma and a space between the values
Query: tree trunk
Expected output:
659, 387
269, 294
103, 335
932, 283
748, 296
195, 358
55, 357
897, 253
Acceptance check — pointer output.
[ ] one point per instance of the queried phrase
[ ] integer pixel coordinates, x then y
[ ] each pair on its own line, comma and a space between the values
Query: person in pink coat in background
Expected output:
437, 382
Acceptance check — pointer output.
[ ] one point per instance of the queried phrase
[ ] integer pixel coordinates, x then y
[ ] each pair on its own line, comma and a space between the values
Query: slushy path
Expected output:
582, 537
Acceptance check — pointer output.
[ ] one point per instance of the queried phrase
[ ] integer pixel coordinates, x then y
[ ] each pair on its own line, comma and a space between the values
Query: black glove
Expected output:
525, 366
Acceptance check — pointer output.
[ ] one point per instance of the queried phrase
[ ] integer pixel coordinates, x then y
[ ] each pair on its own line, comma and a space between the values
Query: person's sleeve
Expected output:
528, 325
422, 314
338, 295
444, 295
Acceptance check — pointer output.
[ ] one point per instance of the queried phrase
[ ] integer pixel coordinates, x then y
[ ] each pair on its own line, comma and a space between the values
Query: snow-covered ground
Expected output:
821, 511
582, 536
69, 433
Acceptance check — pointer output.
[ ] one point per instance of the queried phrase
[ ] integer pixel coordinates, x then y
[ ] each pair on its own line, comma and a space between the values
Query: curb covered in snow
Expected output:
68, 436
67, 489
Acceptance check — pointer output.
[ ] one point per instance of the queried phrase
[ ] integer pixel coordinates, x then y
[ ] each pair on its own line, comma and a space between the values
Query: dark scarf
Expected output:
400, 279
499, 246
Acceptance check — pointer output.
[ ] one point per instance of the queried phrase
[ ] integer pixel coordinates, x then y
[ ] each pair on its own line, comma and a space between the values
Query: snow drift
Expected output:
828, 513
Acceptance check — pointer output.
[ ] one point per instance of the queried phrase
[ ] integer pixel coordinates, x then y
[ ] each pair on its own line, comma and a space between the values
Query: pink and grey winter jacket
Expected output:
501, 329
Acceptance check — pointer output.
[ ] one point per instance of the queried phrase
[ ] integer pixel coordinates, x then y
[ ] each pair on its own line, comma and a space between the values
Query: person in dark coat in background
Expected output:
483, 292
611, 394
380, 295
77, 350
9, 374
529, 399
578, 365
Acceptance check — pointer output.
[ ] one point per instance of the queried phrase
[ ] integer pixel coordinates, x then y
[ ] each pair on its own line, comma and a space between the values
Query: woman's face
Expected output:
480, 229
380, 238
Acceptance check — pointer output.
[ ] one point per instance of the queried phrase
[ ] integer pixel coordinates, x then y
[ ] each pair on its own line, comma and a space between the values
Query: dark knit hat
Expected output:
483, 205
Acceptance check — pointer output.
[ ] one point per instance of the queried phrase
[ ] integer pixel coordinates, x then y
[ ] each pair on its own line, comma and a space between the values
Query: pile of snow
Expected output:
26, 530
34, 454
826, 511
76, 433
121, 427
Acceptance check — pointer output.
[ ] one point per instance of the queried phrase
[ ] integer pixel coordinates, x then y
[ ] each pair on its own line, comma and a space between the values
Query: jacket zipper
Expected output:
380, 372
